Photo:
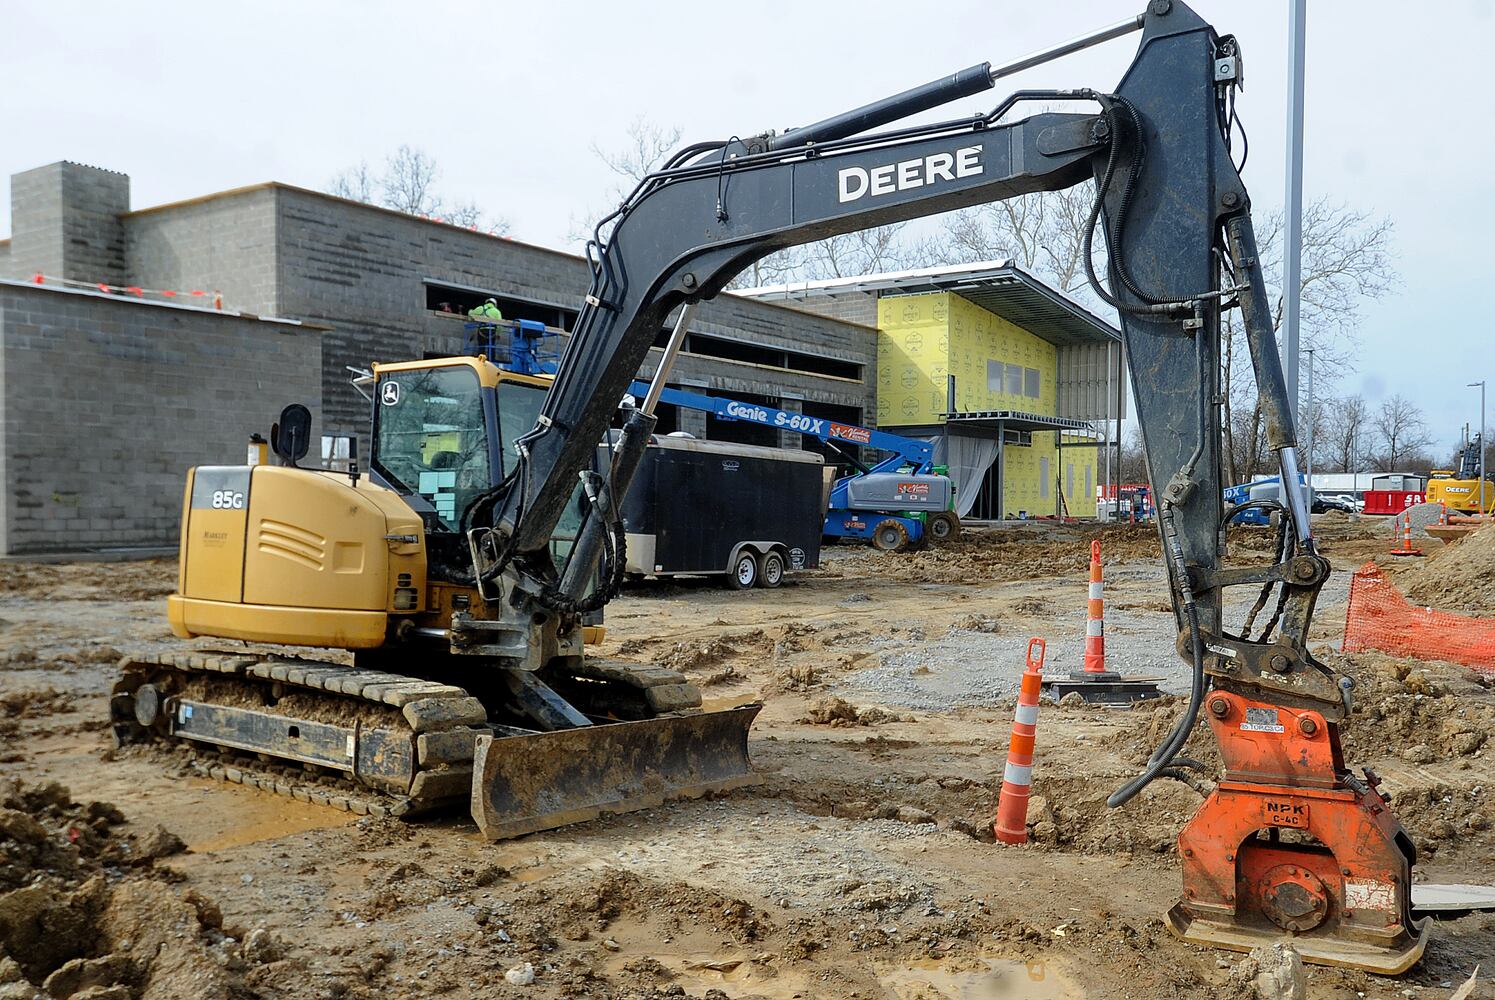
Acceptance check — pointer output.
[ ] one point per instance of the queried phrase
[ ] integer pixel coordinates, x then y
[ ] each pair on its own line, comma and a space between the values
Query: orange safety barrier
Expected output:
135, 290
1406, 548
1011, 826
1379, 617
1442, 513
1095, 626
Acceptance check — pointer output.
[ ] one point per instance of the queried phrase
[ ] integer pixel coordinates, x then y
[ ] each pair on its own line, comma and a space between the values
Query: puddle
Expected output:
978, 979
736, 976
249, 817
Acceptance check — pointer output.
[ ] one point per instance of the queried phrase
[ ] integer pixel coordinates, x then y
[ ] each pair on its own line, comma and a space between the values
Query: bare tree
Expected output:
866, 251
1401, 435
1131, 462
1342, 439
647, 147
1043, 233
407, 184
355, 183
1347, 259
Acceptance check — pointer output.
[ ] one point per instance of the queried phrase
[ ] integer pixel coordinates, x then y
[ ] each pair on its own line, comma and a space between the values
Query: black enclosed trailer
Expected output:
712, 507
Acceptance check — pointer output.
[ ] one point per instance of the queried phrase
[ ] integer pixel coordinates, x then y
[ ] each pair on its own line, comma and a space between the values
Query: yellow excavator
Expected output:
279, 561
1461, 493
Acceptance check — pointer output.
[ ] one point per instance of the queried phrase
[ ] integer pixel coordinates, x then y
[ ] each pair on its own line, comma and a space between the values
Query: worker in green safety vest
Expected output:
488, 312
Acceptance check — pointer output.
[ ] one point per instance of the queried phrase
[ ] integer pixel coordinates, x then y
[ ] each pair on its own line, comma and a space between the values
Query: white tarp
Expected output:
969, 458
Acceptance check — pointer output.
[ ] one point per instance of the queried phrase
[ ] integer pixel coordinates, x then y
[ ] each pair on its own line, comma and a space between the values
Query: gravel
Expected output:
971, 669
1421, 515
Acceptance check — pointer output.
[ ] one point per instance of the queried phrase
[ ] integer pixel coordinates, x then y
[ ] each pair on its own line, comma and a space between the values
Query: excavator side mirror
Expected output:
290, 436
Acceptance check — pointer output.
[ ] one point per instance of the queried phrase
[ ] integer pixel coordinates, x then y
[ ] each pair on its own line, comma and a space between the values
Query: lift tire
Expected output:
770, 570
890, 536
943, 527
743, 573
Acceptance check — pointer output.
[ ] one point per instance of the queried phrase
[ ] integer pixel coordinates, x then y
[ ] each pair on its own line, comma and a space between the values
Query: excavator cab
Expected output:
444, 433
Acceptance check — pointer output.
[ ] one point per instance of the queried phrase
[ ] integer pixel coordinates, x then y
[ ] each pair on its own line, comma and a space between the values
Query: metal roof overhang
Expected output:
1000, 287
1014, 420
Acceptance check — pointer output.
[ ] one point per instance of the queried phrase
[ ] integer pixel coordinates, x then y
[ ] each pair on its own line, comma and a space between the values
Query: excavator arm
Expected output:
1290, 840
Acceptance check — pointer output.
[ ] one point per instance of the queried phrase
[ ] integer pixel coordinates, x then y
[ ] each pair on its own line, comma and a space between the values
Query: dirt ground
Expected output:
859, 868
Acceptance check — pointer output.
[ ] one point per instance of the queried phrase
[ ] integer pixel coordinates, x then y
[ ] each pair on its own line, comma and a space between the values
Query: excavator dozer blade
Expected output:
522, 784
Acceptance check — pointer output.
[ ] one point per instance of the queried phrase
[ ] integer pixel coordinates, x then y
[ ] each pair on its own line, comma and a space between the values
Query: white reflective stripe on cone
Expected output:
1018, 774
1027, 715
1097, 591
1095, 626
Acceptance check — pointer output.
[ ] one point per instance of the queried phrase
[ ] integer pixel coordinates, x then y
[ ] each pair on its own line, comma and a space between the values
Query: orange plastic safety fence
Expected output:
1379, 617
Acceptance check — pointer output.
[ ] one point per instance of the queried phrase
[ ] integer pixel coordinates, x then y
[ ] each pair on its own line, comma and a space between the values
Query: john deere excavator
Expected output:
439, 572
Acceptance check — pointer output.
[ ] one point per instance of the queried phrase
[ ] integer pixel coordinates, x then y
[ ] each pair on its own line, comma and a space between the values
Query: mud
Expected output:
863, 866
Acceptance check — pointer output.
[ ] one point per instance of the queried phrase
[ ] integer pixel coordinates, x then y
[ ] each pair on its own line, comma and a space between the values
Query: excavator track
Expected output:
382, 744
371, 742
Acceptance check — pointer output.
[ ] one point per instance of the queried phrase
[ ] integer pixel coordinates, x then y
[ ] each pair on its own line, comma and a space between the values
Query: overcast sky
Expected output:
509, 98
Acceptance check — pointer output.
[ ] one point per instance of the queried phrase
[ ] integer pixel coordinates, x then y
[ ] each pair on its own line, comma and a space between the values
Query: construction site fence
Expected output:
1380, 618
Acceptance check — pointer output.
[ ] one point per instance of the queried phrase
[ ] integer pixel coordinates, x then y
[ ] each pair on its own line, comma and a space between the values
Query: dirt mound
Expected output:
111, 581
1008, 554
1401, 703
1459, 577
85, 913
839, 712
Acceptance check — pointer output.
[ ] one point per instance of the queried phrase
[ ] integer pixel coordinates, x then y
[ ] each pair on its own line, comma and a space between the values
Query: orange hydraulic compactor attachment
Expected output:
1291, 843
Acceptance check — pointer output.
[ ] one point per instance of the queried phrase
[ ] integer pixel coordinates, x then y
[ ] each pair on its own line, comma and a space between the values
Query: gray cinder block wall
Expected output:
363, 271
107, 402
65, 223
360, 272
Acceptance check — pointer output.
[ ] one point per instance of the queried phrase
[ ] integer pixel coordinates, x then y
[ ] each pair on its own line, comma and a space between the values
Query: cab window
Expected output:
432, 438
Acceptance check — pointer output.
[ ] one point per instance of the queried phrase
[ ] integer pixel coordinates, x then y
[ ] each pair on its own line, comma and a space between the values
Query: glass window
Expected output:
1030, 383
1014, 380
518, 408
336, 451
432, 439
1043, 477
994, 375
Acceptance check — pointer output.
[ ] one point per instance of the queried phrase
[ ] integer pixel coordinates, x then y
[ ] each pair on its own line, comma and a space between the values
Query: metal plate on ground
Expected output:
523, 784
1430, 899
1115, 689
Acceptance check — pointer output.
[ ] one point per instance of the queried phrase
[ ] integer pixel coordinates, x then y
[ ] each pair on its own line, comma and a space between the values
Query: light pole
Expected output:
1481, 384
1308, 420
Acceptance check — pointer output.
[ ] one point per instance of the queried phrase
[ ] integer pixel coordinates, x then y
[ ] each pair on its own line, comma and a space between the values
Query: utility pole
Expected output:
1292, 250
1481, 440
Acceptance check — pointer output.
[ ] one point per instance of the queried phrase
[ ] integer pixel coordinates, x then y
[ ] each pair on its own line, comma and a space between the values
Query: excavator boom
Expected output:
1175, 219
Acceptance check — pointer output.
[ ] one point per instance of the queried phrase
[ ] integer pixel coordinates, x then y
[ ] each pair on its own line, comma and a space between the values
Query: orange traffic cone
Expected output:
1095, 625
1406, 533
1011, 826
1442, 513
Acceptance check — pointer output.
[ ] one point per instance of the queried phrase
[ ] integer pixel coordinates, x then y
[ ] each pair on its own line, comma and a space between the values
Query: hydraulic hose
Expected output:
1163, 757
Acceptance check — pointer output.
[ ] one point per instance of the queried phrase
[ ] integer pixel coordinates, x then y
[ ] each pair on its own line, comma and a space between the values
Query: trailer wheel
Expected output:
889, 536
770, 570
744, 571
944, 526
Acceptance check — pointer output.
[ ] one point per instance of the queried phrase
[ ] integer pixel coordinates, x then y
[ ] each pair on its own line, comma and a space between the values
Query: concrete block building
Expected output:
349, 284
